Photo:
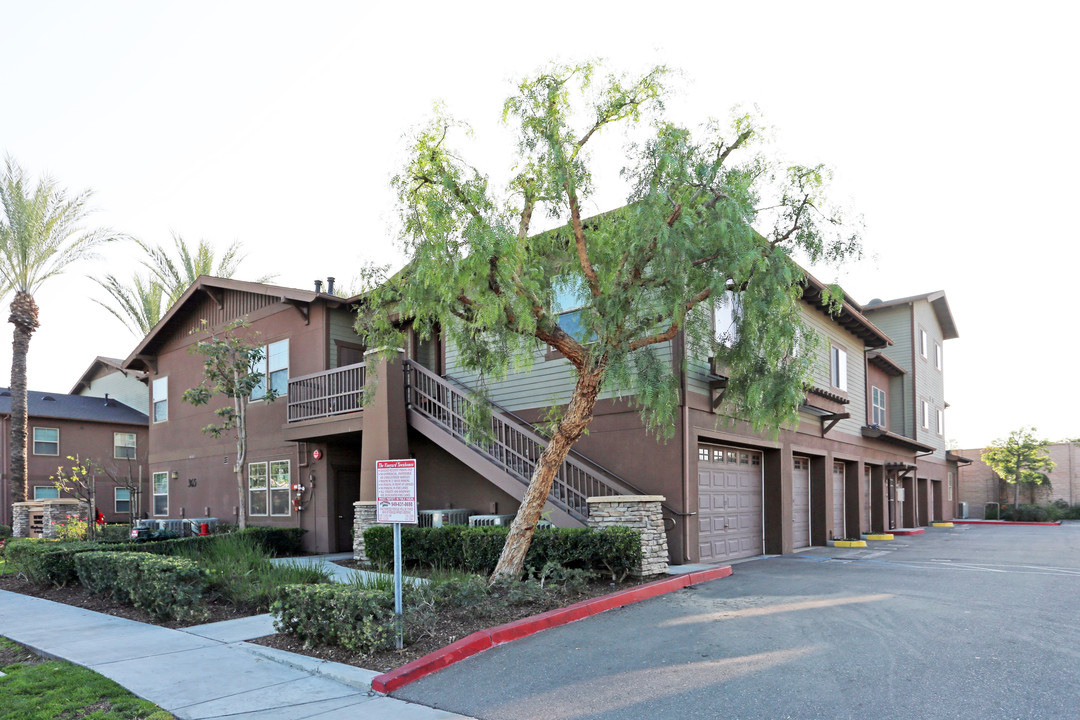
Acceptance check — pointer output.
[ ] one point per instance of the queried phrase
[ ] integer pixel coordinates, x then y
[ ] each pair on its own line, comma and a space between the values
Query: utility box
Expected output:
962, 509
441, 518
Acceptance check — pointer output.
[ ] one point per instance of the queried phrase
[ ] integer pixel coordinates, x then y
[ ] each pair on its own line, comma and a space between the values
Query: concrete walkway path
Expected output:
204, 672
338, 573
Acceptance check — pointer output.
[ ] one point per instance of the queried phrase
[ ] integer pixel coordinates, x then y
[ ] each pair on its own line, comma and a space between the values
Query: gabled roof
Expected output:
850, 316
206, 284
103, 362
74, 407
885, 364
937, 301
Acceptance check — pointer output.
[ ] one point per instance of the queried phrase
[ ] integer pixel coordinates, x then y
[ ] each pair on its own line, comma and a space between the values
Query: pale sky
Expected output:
949, 126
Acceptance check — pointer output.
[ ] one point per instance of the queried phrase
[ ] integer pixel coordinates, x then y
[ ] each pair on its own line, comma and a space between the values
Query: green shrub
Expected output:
612, 550
46, 561
991, 512
279, 541
167, 587
1026, 513
5, 531
1073, 513
342, 615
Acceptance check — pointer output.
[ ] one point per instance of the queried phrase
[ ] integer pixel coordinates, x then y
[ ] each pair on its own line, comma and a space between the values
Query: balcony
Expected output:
326, 394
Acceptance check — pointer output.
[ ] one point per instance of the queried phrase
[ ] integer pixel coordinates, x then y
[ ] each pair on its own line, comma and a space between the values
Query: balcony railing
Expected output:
331, 392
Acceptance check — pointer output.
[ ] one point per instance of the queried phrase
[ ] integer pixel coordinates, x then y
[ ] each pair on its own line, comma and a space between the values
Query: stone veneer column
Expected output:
637, 512
57, 511
20, 518
363, 518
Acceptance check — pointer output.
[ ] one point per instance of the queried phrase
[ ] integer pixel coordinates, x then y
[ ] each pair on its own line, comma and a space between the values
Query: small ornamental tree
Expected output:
1019, 459
710, 224
80, 480
229, 362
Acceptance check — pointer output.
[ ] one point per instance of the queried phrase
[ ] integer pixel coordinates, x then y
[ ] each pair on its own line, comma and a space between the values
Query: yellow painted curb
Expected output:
849, 543
944, 525
880, 536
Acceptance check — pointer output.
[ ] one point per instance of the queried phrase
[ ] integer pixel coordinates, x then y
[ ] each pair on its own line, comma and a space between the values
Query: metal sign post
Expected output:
395, 502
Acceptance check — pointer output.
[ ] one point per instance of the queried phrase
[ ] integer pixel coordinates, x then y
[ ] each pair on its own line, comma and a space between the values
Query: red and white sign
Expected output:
316, 453
395, 491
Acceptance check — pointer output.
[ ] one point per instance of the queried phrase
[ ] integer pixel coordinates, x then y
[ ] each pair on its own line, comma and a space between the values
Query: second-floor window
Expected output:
940, 422
568, 304
878, 404
275, 369
46, 441
922, 342
937, 355
726, 319
839, 368
161, 399
124, 446
925, 415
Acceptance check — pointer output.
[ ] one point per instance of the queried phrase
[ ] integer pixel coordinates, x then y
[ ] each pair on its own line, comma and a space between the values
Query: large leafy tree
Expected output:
41, 234
230, 359
710, 222
1019, 460
140, 302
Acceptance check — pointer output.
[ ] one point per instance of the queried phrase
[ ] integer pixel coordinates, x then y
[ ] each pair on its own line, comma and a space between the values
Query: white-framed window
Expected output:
124, 446
925, 415
878, 405
839, 368
279, 488
940, 422
268, 488
46, 441
161, 399
937, 355
726, 315
950, 485
46, 492
257, 485
569, 300
922, 342
161, 493
275, 369
122, 500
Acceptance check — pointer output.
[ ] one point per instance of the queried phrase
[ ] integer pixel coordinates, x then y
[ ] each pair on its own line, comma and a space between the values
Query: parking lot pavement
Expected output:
965, 622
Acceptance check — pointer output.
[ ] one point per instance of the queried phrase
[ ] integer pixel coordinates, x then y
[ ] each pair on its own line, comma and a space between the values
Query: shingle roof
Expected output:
74, 407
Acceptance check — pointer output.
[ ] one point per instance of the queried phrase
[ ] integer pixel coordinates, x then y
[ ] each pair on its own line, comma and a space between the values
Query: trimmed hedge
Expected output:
349, 617
167, 587
476, 549
53, 561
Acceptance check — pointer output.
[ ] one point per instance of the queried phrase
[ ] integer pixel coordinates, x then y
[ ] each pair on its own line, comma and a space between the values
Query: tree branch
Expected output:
673, 329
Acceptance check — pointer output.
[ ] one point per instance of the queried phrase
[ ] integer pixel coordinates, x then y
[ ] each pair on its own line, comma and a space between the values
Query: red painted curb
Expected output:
916, 531
484, 639
1003, 522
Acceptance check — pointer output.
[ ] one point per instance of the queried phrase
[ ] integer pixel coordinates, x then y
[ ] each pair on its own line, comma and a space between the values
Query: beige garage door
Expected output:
729, 503
800, 502
839, 531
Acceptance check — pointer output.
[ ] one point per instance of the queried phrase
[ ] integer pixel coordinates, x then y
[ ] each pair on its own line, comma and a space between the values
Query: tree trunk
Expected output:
241, 456
1016, 493
23, 316
577, 417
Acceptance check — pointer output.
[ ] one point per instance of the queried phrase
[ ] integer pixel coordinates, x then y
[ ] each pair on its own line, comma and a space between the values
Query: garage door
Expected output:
729, 503
839, 531
800, 502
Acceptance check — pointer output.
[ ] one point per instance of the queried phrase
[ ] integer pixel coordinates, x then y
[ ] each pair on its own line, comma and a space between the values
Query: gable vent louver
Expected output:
48, 398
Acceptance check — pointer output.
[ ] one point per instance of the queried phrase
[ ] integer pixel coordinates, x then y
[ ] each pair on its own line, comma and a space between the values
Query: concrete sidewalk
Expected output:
202, 672
338, 573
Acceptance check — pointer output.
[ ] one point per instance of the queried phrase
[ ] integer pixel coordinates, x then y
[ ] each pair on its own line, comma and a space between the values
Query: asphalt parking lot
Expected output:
965, 622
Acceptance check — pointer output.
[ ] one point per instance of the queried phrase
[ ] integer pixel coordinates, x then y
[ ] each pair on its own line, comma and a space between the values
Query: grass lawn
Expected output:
37, 689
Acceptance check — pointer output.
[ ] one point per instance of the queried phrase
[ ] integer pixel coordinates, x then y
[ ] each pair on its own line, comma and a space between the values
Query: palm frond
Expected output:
137, 305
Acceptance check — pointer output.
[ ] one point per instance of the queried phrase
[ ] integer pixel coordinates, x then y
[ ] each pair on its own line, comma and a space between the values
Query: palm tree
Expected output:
141, 303
41, 234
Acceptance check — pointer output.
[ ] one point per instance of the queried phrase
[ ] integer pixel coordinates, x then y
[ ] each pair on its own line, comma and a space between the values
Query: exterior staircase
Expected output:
509, 451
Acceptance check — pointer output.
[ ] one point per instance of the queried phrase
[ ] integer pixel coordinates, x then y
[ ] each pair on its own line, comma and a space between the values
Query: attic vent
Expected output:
48, 398
6, 393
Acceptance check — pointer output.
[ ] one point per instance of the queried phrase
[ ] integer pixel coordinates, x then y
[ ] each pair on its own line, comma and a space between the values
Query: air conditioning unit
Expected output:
146, 524
489, 520
441, 518
962, 509
175, 525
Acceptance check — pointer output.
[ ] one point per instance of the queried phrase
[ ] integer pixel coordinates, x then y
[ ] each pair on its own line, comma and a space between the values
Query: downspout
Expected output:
686, 449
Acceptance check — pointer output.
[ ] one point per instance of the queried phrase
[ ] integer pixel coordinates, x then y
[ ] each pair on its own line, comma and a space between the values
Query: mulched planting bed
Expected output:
79, 596
452, 624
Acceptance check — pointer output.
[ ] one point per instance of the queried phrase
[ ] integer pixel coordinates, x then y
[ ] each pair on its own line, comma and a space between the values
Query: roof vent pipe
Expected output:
329, 286
318, 286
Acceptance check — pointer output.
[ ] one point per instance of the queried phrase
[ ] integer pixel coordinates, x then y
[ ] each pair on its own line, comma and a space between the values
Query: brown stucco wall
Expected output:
83, 439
